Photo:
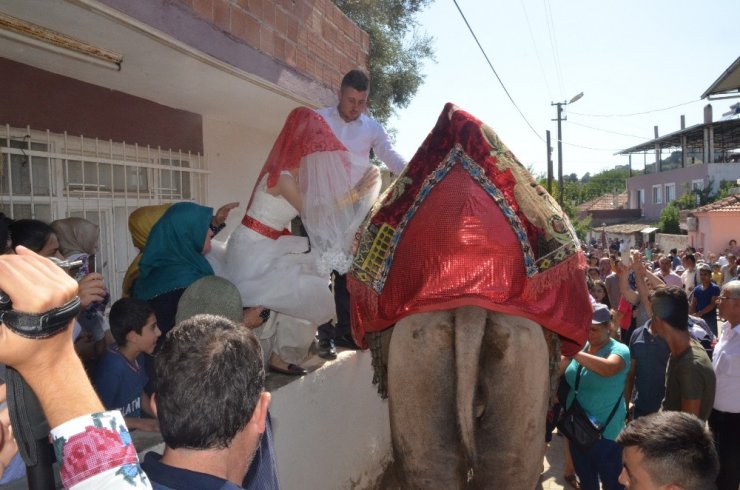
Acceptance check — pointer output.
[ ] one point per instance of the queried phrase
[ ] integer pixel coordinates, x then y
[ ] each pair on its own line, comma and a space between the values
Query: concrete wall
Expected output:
44, 100
666, 242
235, 157
715, 230
682, 177
331, 428
679, 177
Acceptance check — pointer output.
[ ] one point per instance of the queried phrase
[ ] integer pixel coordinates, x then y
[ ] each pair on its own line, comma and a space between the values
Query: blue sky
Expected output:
627, 57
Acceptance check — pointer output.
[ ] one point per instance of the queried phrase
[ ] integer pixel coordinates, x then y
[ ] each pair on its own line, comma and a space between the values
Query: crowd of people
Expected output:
664, 339
661, 361
193, 309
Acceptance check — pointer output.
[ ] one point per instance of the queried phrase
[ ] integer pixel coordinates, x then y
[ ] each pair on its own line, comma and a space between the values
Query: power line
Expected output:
494, 71
606, 130
536, 51
635, 113
592, 148
554, 46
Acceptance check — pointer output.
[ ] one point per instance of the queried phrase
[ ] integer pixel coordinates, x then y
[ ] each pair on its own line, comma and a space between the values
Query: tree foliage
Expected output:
669, 220
397, 50
691, 199
577, 192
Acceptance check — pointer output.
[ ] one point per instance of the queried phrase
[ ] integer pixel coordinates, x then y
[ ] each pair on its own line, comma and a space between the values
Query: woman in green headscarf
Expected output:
173, 259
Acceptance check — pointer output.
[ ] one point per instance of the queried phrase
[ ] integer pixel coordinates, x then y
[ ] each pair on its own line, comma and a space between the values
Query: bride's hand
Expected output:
252, 317
368, 181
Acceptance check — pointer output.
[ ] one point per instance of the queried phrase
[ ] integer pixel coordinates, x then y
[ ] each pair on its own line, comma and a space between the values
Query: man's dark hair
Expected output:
128, 315
690, 258
356, 79
671, 305
676, 448
674, 251
31, 233
209, 380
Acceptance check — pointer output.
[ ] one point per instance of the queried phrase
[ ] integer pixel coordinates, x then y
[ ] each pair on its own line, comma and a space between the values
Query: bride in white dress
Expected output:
310, 174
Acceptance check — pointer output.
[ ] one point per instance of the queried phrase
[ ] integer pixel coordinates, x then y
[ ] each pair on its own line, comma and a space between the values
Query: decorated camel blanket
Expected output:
466, 224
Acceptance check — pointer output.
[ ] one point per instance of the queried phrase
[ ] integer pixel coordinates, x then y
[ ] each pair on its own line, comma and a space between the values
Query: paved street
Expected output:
552, 476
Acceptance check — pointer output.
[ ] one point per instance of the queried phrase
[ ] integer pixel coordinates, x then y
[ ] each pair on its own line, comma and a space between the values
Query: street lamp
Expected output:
560, 142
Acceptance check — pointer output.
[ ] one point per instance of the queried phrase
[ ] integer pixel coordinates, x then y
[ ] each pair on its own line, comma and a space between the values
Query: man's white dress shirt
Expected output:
726, 362
363, 134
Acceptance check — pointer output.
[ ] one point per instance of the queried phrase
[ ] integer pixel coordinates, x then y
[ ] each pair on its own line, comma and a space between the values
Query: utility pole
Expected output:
560, 150
560, 143
549, 163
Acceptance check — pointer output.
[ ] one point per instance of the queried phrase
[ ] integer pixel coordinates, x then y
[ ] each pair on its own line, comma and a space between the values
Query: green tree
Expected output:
669, 219
397, 50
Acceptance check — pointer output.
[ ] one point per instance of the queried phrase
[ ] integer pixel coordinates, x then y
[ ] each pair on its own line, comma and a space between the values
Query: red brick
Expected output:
302, 60
281, 21
279, 47
268, 12
245, 27
222, 14
267, 40
290, 53
204, 9
255, 8
293, 29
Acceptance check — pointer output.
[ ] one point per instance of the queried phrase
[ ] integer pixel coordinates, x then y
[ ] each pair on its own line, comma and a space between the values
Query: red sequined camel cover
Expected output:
466, 224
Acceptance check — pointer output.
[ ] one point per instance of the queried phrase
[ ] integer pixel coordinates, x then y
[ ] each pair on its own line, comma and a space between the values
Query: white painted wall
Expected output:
331, 428
723, 171
235, 153
666, 242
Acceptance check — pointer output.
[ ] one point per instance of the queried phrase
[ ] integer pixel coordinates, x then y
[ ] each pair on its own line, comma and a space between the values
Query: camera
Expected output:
70, 267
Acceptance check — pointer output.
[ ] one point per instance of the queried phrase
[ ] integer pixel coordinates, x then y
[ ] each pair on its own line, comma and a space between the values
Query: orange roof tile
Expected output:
728, 204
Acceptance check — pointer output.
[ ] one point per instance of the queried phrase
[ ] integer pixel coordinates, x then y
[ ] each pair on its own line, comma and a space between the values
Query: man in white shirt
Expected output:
725, 417
689, 276
668, 276
361, 134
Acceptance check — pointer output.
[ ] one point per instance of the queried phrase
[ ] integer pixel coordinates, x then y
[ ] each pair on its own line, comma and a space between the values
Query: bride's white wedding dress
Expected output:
278, 271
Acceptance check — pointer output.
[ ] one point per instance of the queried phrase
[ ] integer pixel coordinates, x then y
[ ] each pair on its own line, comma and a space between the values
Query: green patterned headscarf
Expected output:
172, 257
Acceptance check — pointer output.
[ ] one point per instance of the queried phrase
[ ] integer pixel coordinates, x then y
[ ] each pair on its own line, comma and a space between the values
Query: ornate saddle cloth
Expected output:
466, 224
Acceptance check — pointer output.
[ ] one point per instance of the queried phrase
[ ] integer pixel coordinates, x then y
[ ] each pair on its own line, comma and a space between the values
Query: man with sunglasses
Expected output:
725, 417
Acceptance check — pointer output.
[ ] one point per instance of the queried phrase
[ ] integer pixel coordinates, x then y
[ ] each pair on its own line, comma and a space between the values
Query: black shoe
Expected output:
346, 342
327, 349
292, 370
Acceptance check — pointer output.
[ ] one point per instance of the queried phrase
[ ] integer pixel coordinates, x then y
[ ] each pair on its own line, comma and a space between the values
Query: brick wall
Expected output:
312, 36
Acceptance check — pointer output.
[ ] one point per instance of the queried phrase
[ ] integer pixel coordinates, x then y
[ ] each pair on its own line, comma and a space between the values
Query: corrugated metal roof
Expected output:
726, 133
727, 83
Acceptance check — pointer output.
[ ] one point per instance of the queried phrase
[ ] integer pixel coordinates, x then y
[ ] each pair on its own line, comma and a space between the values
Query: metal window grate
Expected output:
49, 176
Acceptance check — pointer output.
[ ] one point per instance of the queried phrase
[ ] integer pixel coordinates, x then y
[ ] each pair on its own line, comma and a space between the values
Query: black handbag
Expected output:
577, 426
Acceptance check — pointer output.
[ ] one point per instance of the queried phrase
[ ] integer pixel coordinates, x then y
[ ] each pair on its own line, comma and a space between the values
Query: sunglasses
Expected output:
724, 298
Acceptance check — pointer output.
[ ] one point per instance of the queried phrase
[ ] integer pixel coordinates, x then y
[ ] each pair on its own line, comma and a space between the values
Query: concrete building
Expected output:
114, 104
690, 159
714, 225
